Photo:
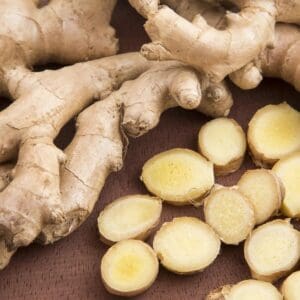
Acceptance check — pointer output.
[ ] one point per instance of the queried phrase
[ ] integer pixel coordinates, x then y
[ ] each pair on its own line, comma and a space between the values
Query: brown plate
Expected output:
69, 269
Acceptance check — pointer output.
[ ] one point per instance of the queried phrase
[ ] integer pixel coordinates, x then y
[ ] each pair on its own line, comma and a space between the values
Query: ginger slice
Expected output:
129, 268
246, 290
288, 170
223, 142
290, 288
230, 214
274, 132
272, 250
265, 191
178, 176
129, 217
186, 245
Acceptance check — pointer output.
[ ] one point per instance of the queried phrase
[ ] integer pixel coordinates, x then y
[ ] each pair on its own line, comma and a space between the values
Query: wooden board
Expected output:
69, 269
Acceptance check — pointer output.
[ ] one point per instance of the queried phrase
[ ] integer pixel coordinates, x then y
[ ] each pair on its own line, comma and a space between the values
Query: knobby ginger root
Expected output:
246, 290
288, 170
264, 190
129, 217
290, 288
222, 141
129, 268
186, 245
274, 132
178, 176
272, 250
230, 214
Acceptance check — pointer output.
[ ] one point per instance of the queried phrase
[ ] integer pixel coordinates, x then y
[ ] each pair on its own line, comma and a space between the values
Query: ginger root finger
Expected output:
273, 133
129, 268
223, 142
287, 169
186, 245
290, 288
264, 190
272, 250
230, 214
246, 290
129, 217
178, 176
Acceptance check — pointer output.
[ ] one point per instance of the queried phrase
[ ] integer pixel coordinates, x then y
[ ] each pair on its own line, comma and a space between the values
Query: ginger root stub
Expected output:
290, 288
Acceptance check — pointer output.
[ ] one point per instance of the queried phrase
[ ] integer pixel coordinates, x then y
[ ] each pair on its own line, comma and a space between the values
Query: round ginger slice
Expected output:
290, 288
230, 214
288, 170
129, 268
129, 217
272, 250
264, 190
274, 132
223, 142
178, 176
186, 245
246, 290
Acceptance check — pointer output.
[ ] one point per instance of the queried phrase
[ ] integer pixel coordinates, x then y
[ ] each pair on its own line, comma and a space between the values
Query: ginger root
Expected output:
290, 288
272, 250
129, 268
129, 217
223, 142
186, 245
273, 133
246, 290
178, 176
288, 170
264, 190
230, 214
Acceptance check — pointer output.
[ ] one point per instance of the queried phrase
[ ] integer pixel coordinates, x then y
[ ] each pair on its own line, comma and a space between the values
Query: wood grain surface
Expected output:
69, 269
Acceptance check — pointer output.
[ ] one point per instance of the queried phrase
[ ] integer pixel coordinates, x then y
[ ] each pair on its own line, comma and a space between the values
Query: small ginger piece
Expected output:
186, 245
272, 250
230, 214
288, 170
246, 290
178, 176
265, 191
129, 268
274, 132
290, 288
223, 142
129, 217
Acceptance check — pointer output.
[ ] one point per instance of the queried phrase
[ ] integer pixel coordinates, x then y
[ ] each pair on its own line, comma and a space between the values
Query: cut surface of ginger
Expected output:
247, 290
230, 214
186, 245
272, 250
264, 190
223, 142
129, 217
178, 176
129, 268
290, 288
274, 132
288, 170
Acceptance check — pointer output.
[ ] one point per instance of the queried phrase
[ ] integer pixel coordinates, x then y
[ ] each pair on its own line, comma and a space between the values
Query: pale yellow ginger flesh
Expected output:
274, 132
264, 190
130, 217
186, 245
290, 288
288, 170
178, 176
230, 214
247, 290
129, 268
272, 250
223, 142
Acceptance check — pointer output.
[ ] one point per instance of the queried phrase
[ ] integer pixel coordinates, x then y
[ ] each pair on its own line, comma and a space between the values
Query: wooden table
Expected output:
69, 269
